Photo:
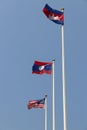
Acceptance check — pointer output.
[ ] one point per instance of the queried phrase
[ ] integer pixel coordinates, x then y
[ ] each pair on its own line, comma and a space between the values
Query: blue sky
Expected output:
27, 35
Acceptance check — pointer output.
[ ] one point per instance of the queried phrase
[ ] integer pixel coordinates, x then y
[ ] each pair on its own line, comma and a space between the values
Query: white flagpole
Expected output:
63, 81
45, 112
53, 95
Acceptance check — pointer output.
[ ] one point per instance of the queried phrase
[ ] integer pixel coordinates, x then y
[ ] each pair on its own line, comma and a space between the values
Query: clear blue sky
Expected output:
27, 35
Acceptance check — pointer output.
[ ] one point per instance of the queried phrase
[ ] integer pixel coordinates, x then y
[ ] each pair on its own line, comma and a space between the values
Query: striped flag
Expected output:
42, 67
36, 103
54, 15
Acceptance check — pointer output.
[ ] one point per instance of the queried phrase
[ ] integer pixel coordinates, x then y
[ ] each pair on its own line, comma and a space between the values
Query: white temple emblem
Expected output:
52, 17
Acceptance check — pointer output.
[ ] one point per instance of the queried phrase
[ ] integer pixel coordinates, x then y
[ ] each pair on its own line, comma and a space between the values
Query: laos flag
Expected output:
54, 15
42, 67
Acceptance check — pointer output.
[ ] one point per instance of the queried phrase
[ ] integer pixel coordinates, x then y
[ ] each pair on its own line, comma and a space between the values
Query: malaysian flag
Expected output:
36, 103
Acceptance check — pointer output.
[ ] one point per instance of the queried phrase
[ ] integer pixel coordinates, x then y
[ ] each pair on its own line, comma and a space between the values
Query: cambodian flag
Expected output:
54, 15
42, 67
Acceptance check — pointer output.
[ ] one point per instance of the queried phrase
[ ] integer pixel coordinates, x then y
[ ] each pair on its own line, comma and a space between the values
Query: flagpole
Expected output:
45, 112
63, 81
53, 95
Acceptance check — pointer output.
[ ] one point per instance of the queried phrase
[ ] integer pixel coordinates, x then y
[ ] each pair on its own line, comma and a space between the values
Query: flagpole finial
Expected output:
62, 9
53, 60
46, 96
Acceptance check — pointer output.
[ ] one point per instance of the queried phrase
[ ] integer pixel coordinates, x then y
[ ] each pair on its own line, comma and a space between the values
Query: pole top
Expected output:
46, 96
53, 60
62, 9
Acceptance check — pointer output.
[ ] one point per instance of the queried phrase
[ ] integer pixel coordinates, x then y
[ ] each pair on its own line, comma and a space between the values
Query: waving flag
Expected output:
54, 15
36, 103
42, 67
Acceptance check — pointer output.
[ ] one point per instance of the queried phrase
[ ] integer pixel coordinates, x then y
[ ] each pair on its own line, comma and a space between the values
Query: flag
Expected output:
54, 15
36, 103
42, 67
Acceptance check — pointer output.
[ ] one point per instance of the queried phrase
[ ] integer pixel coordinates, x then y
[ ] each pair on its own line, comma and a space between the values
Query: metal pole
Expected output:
53, 90
45, 112
63, 81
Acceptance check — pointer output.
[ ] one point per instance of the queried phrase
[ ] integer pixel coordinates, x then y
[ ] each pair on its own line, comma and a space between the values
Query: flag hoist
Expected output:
42, 104
58, 17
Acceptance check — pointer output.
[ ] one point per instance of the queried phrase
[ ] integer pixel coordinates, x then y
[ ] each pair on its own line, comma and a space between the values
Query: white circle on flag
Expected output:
41, 68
